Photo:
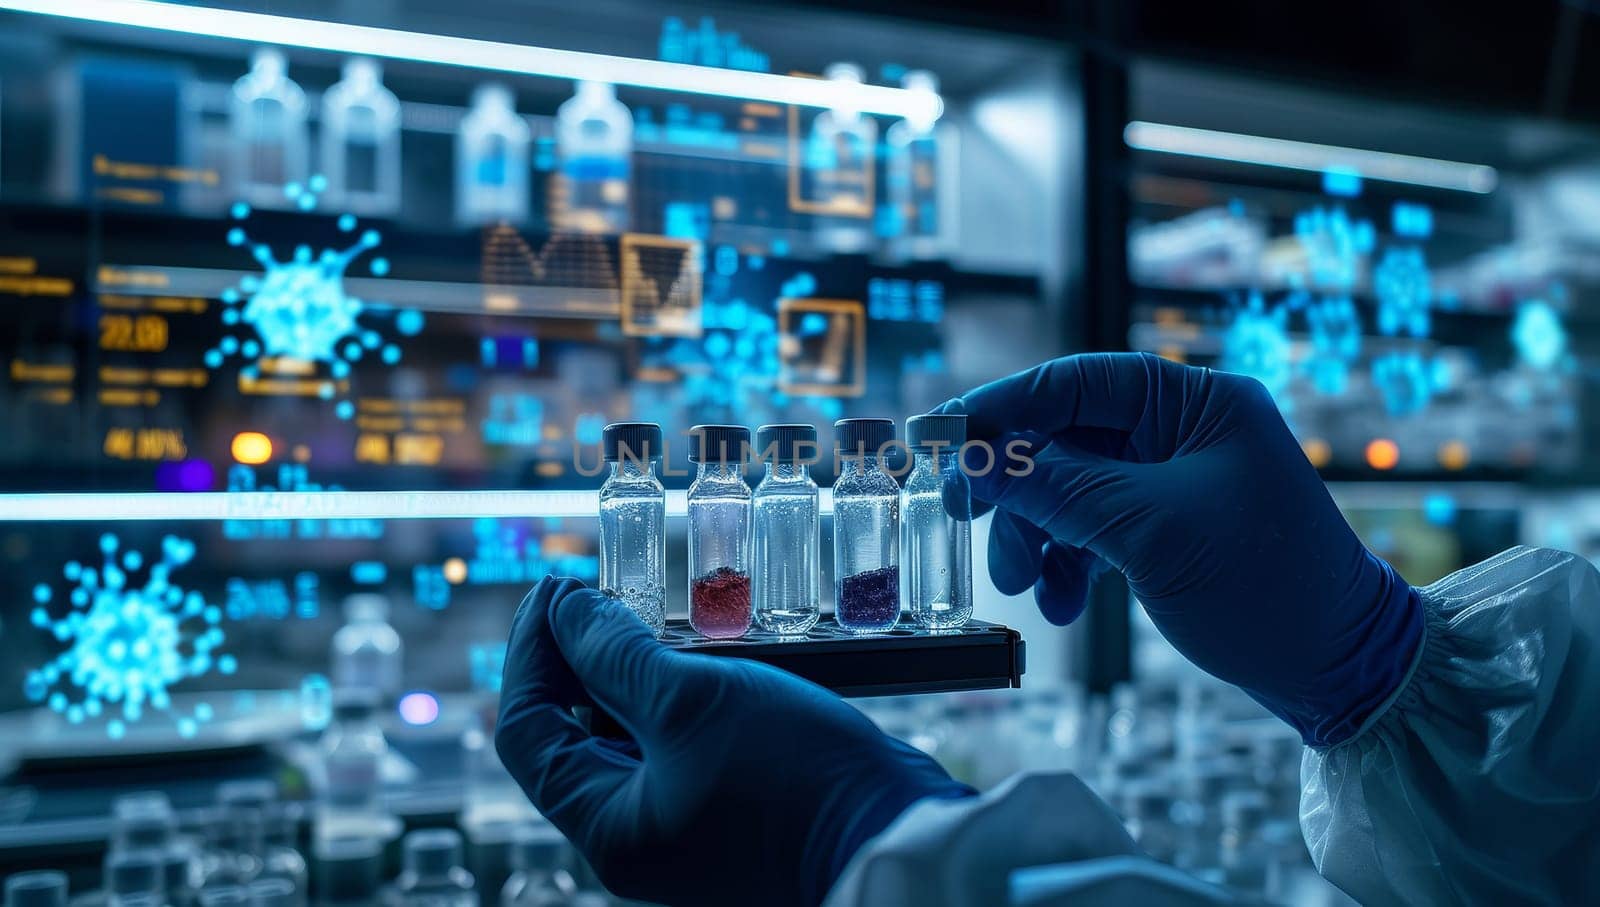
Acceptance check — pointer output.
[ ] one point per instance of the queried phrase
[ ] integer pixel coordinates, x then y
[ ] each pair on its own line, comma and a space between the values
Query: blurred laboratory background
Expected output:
311, 315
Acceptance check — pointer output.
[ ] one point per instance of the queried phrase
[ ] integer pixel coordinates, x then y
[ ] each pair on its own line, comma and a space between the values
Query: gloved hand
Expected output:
747, 785
1188, 482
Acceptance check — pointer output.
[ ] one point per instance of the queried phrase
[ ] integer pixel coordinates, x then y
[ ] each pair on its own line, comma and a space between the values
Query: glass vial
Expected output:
719, 532
787, 531
633, 517
938, 524
866, 528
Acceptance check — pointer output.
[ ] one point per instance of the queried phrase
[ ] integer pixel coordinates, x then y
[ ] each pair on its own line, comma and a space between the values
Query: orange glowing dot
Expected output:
455, 571
1383, 453
302, 453
252, 448
1454, 455
1317, 451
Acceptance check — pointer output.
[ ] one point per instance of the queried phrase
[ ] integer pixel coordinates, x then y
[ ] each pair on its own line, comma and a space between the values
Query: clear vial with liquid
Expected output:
633, 517
937, 515
866, 528
787, 531
719, 532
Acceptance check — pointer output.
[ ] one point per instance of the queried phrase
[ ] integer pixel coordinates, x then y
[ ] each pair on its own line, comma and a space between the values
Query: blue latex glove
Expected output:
1188, 482
747, 785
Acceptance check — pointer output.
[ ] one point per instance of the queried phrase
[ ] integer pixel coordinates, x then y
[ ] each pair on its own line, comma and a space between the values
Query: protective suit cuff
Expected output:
1433, 625
954, 853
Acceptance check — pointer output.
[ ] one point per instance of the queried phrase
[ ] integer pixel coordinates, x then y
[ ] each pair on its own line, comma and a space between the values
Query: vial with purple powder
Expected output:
866, 528
633, 517
937, 521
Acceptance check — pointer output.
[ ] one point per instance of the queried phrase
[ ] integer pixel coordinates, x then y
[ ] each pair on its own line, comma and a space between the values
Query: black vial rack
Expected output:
979, 656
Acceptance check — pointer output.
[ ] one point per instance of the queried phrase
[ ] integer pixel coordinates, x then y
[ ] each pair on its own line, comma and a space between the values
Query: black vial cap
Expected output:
719, 444
930, 430
787, 443
639, 441
862, 437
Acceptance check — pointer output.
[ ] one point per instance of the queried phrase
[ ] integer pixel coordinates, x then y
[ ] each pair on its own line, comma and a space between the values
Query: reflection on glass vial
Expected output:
938, 524
787, 531
866, 528
633, 516
719, 532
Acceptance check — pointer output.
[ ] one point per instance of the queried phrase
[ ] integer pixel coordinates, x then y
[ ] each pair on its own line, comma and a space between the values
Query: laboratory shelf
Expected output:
979, 656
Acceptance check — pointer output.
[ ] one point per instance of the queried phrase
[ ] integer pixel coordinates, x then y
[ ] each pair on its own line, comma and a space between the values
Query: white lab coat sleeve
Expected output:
960, 853
1479, 781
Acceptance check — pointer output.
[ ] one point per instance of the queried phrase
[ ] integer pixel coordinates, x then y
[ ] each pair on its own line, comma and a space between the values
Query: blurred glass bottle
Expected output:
350, 801
270, 142
719, 532
361, 141
134, 878
39, 888
433, 875
145, 821
367, 651
493, 808
275, 846
938, 524
840, 158
787, 534
1245, 858
232, 855
492, 160
594, 134
866, 528
490, 794
540, 861
349, 870
633, 517
913, 170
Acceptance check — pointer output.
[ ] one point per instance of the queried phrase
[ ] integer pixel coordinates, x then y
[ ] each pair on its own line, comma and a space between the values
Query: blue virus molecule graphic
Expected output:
1404, 289
298, 308
127, 644
1406, 382
1334, 246
1335, 343
1256, 343
1539, 336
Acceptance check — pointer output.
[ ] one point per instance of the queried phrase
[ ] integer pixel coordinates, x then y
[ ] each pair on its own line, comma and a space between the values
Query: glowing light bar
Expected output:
72, 507
260, 28
1310, 156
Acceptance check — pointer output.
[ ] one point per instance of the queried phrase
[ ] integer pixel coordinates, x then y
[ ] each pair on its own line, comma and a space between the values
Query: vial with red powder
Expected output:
719, 532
